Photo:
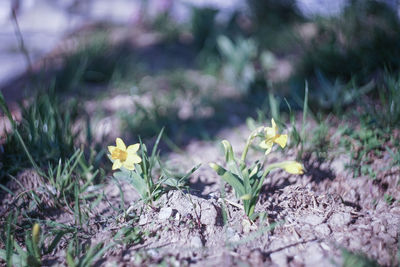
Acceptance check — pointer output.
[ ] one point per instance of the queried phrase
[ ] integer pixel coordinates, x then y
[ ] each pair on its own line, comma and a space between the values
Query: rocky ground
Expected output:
309, 219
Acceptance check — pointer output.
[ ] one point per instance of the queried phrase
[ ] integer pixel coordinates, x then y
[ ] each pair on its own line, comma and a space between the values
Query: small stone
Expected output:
395, 210
165, 214
387, 239
314, 254
126, 257
378, 227
313, 219
339, 237
230, 232
355, 244
325, 246
177, 216
235, 238
208, 214
279, 258
196, 242
152, 253
256, 258
142, 220
340, 219
247, 226
323, 229
381, 207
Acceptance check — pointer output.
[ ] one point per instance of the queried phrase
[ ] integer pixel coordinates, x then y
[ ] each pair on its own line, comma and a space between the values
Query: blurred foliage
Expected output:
358, 44
387, 112
364, 145
270, 13
238, 67
337, 95
95, 61
179, 110
351, 259
203, 26
272, 23
46, 128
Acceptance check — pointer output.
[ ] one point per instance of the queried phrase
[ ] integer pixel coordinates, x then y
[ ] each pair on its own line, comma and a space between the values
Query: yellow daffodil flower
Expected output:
123, 156
271, 137
293, 167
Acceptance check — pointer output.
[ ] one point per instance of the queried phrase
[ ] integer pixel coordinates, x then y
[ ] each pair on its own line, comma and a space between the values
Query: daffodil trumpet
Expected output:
123, 156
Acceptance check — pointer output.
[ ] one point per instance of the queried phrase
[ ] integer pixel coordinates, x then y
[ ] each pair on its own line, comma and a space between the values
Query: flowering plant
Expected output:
247, 180
145, 171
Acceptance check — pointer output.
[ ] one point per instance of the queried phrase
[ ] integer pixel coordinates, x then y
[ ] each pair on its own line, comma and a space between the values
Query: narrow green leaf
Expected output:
229, 156
153, 153
232, 179
246, 181
10, 239
95, 254
135, 179
6, 189
55, 241
70, 260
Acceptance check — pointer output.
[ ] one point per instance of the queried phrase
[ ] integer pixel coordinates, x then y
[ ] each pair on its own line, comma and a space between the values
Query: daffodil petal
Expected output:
266, 144
128, 165
137, 159
281, 140
133, 158
269, 133
274, 125
133, 148
111, 149
117, 164
293, 167
120, 144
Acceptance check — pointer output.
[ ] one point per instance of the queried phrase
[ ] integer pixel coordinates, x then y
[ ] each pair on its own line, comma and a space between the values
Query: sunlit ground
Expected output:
256, 134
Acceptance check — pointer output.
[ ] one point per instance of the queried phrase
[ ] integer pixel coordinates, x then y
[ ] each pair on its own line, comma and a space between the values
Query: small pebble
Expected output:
340, 219
313, 219
165, 214
323, 229
196, 242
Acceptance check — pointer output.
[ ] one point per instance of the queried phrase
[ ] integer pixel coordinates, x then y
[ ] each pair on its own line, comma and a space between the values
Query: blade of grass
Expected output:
5, 109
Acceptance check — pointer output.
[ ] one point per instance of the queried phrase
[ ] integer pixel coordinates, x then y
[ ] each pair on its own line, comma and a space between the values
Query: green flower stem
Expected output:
269, 168
246, 149
249, 141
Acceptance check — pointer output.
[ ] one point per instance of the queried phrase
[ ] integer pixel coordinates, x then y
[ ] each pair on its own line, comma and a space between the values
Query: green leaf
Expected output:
94, 254
55, 241
70, 260
154, 151
246, 180
229, 156
225, 45
10, 238
232, 179
135, 179
14, 261
21, 253
230, 159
